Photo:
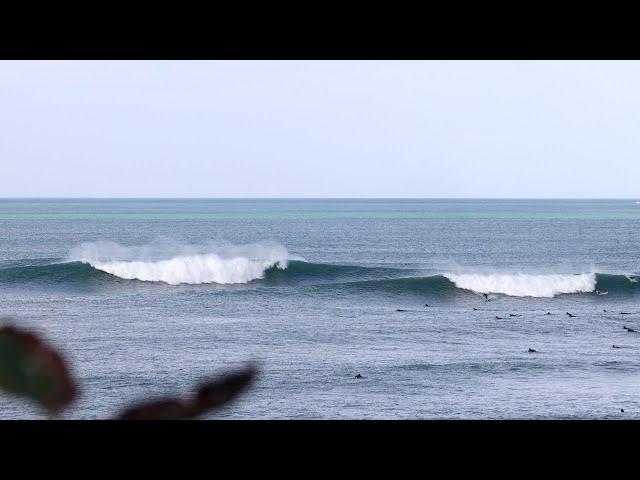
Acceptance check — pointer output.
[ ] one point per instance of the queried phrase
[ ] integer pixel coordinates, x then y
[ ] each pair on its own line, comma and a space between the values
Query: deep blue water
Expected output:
150, 296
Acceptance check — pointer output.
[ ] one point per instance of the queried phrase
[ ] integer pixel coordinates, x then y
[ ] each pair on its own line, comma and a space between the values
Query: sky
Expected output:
468, 129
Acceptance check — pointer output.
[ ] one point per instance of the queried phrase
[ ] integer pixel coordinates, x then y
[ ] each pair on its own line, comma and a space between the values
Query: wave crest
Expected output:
525, 285
228, 264
269, 264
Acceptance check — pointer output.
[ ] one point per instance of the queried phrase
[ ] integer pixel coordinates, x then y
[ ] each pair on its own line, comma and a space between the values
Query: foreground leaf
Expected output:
209, 396
31, 368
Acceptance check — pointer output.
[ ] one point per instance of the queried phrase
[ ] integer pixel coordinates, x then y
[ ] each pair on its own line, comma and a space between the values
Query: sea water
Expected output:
436, 303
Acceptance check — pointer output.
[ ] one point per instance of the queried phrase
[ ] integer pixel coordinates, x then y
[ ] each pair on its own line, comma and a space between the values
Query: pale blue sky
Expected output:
320, 129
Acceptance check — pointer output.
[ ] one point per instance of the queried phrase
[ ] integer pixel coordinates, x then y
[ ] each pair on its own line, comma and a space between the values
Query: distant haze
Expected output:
320, 129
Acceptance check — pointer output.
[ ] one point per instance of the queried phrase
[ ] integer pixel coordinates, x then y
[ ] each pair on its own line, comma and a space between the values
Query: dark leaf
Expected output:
209, 396
218, 392
163, 409
31, 368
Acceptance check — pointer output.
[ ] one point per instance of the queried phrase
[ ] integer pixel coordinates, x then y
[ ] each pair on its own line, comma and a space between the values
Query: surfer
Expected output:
486, 297
601, 293
400, 310
615, 346
629, 329
570, 314
531, 350
499, 318
515, 315
358, 376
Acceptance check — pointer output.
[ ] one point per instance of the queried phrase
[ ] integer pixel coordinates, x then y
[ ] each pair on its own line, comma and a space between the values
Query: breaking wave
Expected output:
226, 264
525, 285
100, 264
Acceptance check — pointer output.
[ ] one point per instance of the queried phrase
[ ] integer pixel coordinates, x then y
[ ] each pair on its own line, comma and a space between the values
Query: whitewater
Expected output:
525, 285
231, 264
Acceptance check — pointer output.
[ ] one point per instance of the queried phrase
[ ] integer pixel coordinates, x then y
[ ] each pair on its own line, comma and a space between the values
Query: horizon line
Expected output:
312, 198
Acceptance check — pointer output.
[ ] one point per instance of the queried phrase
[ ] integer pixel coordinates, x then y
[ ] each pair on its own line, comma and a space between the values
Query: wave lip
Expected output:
230, 265
192, 269
525, 285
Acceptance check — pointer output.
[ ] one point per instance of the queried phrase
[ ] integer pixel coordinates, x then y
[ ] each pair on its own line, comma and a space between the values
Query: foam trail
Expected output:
193, 264
525, 285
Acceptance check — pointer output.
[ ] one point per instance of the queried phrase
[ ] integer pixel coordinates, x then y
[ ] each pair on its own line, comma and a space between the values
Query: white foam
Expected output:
525, 285
226, 265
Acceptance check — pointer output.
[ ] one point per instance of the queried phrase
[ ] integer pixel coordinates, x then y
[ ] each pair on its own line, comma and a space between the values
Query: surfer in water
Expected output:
601, 293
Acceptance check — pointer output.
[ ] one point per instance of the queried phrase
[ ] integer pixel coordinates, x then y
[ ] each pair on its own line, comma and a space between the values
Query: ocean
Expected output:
150, 296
